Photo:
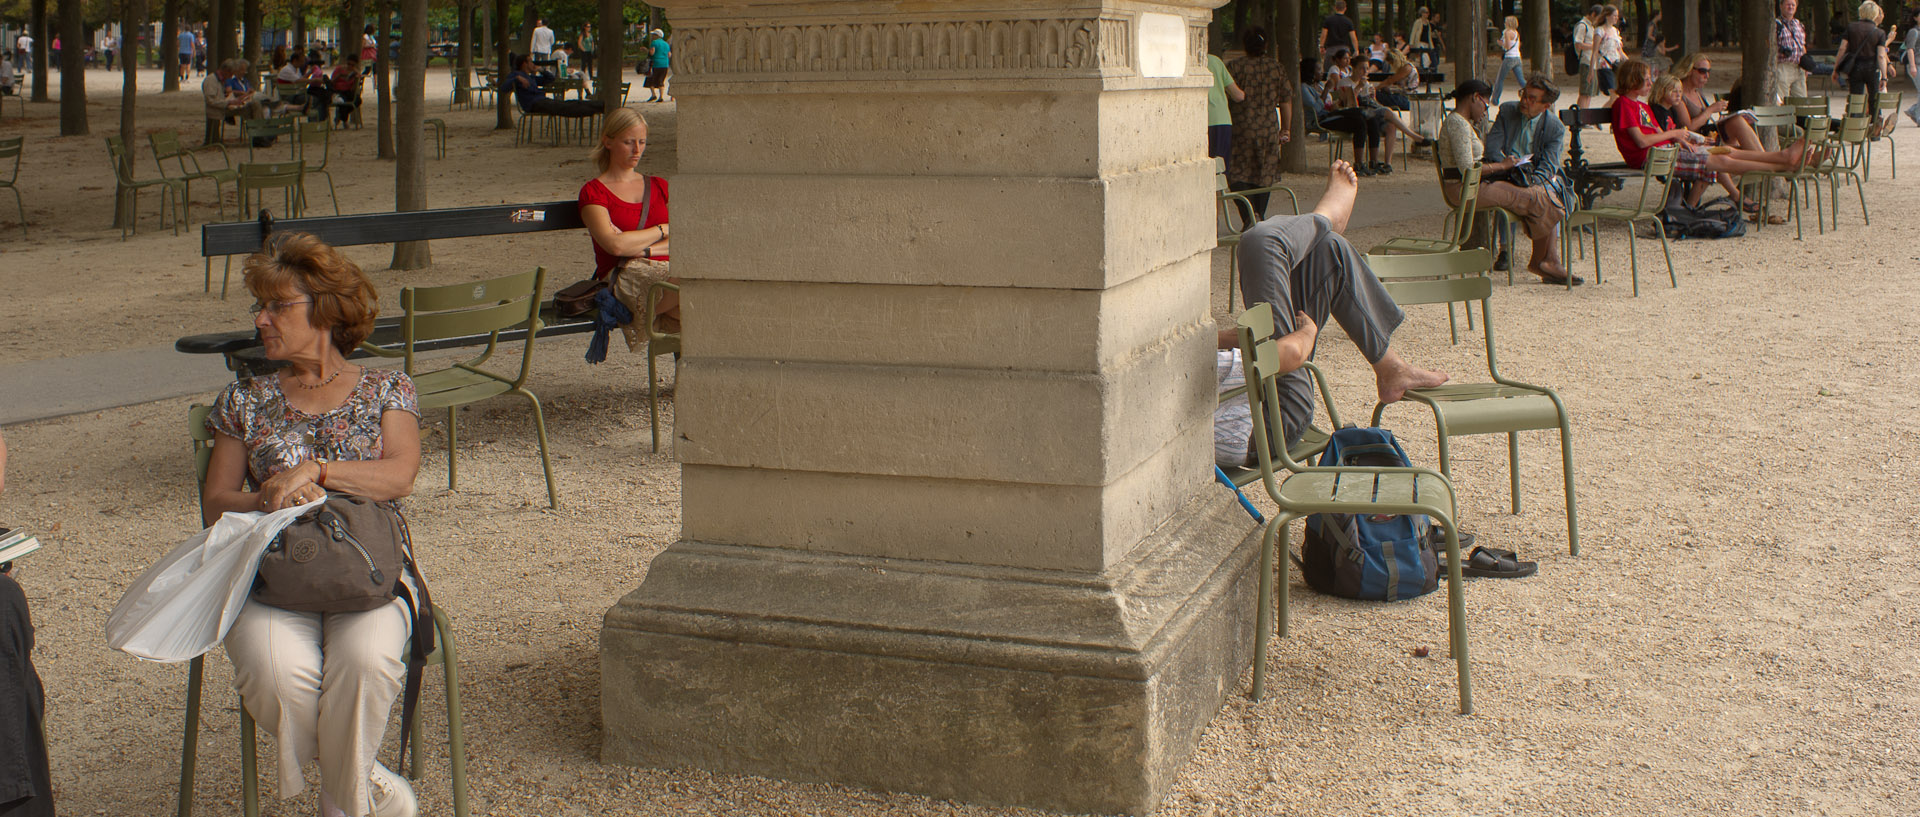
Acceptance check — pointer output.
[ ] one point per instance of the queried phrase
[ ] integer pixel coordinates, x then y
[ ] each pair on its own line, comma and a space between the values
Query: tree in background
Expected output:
410, 171
73, 75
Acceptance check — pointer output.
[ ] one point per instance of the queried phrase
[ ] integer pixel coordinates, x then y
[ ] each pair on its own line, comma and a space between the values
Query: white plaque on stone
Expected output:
1163, 45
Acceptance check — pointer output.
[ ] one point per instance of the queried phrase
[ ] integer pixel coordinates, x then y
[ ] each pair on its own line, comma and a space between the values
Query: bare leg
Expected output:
1343, 186
1736, 131
1393, 377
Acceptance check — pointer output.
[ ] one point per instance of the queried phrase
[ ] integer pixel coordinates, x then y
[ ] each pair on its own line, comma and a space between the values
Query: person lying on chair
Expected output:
1305, 268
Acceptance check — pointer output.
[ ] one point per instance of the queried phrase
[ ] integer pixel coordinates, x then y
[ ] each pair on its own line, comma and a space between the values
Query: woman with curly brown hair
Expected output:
321, 683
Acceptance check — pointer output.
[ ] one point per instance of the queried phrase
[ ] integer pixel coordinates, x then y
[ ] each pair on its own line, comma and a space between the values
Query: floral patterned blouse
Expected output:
279, 436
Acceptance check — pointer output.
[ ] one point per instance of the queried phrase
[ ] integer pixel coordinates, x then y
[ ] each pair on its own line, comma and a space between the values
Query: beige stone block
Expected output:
1010, 426
1026, 525
1055, 232
962, 327
1081, 693
1047, 134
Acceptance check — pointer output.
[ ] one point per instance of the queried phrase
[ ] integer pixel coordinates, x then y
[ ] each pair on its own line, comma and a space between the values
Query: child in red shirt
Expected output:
1636, 132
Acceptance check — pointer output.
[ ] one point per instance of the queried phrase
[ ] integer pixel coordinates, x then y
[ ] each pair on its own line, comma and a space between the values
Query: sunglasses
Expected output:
1705, 69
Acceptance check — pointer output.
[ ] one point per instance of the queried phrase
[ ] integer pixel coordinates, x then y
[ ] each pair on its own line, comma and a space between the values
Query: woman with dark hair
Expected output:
322, 684
1257, 132
1316, 102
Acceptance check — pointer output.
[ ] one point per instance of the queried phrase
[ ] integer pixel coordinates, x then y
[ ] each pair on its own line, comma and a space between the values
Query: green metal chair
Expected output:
10, 148
1504, 406
1312, 441
1299, 490
167, 146
127, 191
1455, 228
1846, 161
658, 343
445, 655
316, 138
1234, 213
1755, 182
270, 127
438, 127
1890, 112
256, 178
471, 309
1655, 177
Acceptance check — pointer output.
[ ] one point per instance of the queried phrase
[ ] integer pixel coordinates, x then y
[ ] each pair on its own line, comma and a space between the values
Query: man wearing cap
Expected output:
1460, 147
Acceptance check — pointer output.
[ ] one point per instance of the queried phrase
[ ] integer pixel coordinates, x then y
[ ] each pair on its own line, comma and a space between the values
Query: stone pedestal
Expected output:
944, 411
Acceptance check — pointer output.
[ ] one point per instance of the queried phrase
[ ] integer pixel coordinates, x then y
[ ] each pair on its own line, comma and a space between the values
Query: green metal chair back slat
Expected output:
271, 127
1846, 161
1298, 491
1503, 406
259, 177
1890, 113
167, 147
1234, 213
1754, 184
459, 310
445, 655
11, 148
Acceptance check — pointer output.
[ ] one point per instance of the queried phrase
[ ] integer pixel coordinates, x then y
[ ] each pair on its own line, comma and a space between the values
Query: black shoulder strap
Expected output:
423, 643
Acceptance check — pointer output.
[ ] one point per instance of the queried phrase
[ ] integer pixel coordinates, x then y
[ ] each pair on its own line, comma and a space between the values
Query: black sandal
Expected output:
1489, 563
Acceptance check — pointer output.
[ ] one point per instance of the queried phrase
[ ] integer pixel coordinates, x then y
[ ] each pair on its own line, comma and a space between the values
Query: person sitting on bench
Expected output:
532, 99
1306, 270
1636, 132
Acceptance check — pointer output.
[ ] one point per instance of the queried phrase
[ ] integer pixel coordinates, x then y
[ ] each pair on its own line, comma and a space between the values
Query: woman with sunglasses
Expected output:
1701, 113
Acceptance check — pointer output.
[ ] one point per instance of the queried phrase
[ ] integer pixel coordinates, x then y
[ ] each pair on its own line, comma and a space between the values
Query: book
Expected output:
15, 543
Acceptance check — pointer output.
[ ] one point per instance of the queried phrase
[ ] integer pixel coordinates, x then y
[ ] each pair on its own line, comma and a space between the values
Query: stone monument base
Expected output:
1070, 692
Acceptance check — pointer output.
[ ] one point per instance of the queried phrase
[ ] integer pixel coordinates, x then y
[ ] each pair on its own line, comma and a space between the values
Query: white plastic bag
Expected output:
187, 601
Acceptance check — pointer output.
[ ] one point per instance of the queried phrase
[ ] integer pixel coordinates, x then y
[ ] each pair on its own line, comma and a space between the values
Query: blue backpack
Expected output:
1374, 557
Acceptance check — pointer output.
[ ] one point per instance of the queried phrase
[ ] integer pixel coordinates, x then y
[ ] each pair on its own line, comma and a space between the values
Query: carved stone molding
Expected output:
1025, 47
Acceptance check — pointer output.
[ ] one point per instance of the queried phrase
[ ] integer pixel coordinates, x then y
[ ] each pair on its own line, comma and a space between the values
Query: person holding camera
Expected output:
1786, 78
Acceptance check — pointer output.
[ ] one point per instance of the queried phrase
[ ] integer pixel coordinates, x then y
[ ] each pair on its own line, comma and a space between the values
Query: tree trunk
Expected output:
1463, 39
1536, 29
37, 27
298, 42
170, 46
410, 171
485, 50
73, 69
1293, 155
1682, 24
382, 78
464, 59
352, 24
503, 119
608, 51
1756, 50
229, 30
250, 35
1818, 35
133, 14
529, 12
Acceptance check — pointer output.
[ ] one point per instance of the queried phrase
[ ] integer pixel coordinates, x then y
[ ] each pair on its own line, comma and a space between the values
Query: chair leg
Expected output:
540, 430
653, 398
1456, 615
1672, 278
1233, 264
1633, 253
452, 445
456, 728
1566, 470
249, 764
1263, 612
1513, 469
190, 742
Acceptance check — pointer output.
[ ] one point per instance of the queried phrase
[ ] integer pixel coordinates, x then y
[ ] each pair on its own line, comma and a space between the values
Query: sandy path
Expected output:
1736, 637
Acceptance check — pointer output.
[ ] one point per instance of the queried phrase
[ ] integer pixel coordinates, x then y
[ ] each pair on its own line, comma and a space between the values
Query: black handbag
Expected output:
576, 300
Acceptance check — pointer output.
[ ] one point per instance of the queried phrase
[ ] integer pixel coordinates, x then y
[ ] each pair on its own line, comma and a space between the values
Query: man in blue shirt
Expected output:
186, 50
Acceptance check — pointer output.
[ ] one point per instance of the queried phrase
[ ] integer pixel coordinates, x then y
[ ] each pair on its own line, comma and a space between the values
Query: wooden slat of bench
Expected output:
386, 228
386, 331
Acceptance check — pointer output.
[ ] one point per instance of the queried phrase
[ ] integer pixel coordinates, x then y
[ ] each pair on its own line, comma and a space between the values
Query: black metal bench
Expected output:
242, 348
1591, 180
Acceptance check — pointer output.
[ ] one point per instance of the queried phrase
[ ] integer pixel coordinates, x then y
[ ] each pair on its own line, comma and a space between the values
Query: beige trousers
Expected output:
1539, 214
323, 685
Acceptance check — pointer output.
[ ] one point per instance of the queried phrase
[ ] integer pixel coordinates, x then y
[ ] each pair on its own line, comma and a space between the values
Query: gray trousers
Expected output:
1298, 263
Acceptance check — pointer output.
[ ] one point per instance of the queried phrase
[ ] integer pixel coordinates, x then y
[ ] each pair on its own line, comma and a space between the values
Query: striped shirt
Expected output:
1791, 38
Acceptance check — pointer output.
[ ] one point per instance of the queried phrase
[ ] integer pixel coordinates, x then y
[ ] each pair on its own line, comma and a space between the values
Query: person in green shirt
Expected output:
1219, 118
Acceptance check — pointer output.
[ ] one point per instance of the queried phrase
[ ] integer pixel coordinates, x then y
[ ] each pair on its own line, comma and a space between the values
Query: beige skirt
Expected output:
630, 283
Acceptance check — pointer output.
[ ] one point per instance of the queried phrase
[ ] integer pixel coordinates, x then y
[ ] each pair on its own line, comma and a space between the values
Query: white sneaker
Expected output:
392, 797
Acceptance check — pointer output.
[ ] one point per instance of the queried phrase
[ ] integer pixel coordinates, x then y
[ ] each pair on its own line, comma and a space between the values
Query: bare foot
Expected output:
1393, 377
1343, 185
